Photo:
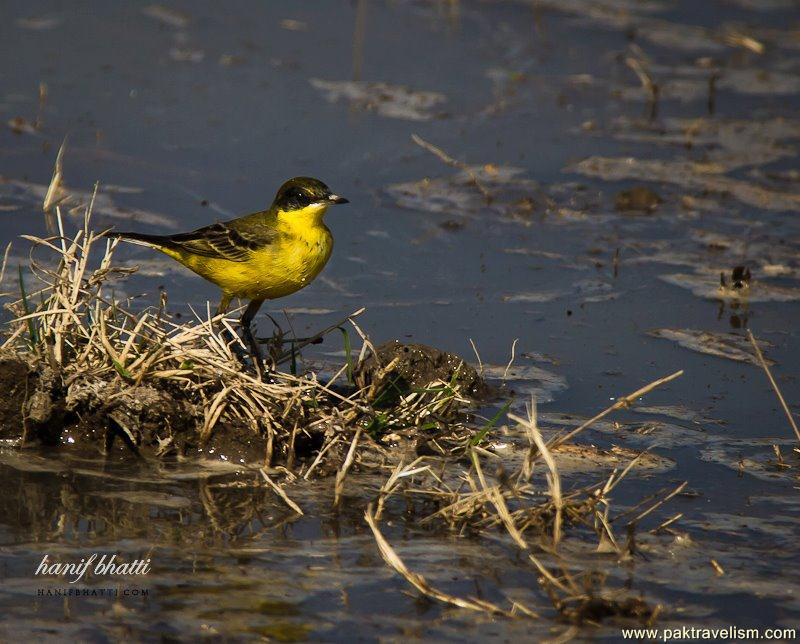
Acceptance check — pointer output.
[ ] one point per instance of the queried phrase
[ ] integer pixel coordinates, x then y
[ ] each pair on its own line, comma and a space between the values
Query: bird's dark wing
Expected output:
223, 241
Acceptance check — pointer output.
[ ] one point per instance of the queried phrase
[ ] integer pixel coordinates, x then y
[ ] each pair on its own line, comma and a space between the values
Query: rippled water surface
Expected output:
582, 212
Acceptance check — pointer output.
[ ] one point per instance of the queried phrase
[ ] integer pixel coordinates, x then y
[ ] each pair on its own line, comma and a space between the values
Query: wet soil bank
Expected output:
117, 416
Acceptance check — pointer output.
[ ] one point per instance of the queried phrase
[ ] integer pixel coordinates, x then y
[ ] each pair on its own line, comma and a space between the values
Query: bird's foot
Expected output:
243, 355
247, 354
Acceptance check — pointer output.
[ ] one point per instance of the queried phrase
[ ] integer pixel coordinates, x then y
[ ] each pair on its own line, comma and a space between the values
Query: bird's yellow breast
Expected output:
297, 254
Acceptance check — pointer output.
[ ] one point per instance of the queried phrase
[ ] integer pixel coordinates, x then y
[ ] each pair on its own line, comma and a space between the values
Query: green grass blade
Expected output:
121, 370
481, 434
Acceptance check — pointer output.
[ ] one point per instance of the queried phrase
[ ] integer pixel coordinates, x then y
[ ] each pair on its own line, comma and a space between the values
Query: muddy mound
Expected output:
405, 368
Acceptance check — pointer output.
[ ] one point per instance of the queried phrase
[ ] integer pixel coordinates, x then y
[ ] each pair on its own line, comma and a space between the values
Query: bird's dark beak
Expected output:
337, 199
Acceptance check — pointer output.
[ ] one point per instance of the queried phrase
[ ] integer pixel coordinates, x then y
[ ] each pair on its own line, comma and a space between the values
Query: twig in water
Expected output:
736, 38
387, 487
401, 471
658, 504
474, 348
321, 453
510, 362
498, 501
667, 523
553, 478
621, 402
441, 154
280, 492
774, 384
420, 583
647, 83
341, 475
712, 93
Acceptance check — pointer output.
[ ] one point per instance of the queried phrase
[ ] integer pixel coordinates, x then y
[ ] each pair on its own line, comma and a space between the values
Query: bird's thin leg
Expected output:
224, 303
246, 320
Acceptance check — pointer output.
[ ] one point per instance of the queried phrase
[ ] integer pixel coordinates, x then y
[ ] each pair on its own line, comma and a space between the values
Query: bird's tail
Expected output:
141, 239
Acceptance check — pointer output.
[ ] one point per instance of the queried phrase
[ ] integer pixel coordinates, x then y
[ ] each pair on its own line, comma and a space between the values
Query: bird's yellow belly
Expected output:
280, 268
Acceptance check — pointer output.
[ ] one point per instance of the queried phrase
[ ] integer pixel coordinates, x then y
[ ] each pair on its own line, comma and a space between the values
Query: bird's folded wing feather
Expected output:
221, 241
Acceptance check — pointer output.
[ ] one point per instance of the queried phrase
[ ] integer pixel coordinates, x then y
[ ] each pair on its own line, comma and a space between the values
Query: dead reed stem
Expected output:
421, 584
281, 492
625, 401
341, 475
553, 478
442, 155
774, 384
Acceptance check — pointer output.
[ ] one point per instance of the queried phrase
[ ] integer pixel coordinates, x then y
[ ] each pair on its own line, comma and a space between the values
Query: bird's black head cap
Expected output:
301, 192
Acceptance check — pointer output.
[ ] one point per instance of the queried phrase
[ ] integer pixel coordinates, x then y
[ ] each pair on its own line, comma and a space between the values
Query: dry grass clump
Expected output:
96, 370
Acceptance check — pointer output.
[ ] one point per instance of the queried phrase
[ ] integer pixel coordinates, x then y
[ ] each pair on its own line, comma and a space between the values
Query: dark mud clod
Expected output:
403, 368
31, 401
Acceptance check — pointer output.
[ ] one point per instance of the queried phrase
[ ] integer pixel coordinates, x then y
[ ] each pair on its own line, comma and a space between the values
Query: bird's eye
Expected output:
301, 198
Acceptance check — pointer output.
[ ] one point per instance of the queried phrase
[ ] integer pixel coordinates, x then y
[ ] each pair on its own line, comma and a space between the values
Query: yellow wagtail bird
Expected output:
261, 256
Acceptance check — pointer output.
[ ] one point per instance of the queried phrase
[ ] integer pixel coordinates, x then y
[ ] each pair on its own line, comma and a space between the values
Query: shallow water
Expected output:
199, 115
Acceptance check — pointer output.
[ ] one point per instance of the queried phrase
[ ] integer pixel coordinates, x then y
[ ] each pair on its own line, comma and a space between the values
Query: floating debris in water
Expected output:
640, 435
293, 25
689, 174
533, 297
764, 5
392, 101
588, 458
527, 381
722, 345
305, 310
187, 55
728, 143
678, 412
511, 195
57, 194
736, 286
635, 17
761, 82
595, 291
533, 252
587, 291
638, 199
541, 357
75, 201
151, 266
167, 15
739, 280
20, 125
39, 23
758, 457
